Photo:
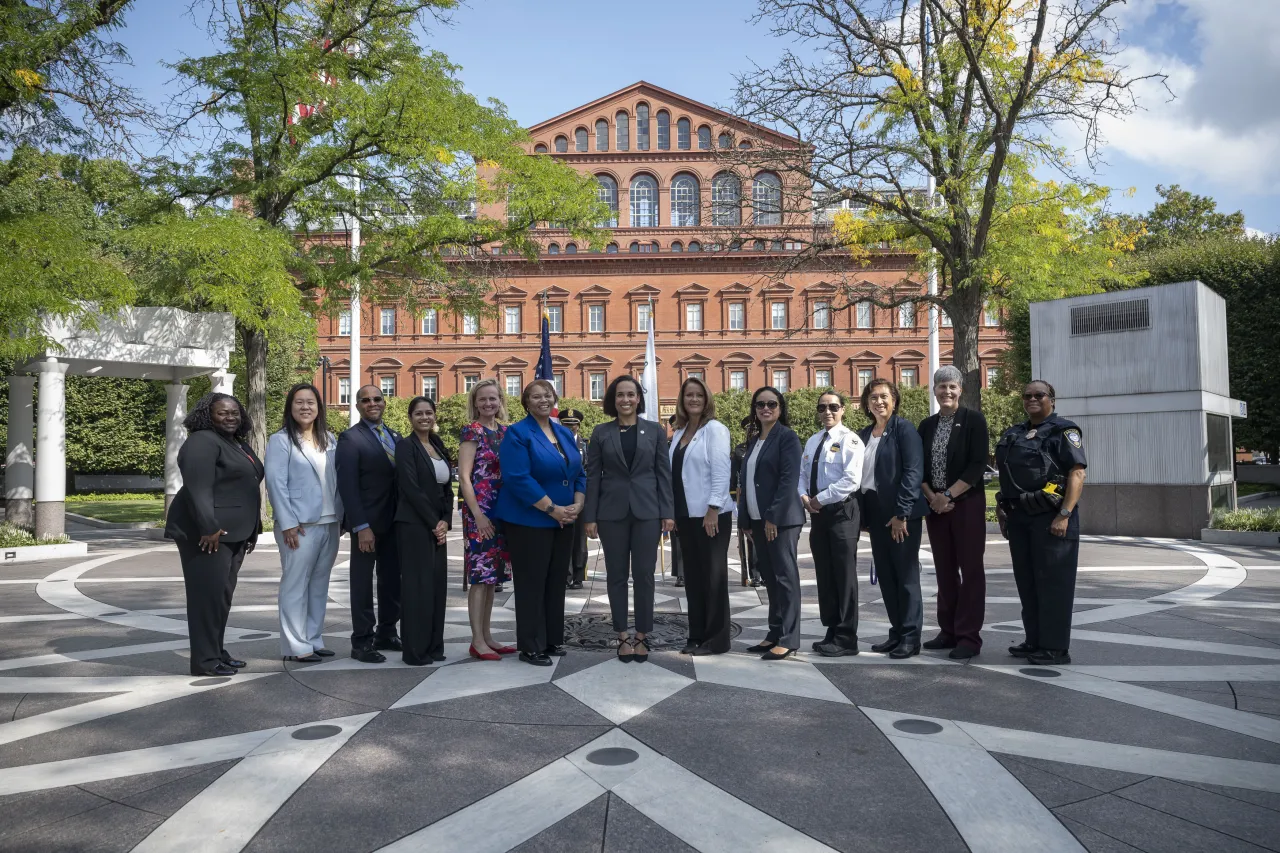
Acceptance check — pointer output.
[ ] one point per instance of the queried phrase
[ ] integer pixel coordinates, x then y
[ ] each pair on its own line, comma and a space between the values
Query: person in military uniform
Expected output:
748, 565
572, 418
1041, 463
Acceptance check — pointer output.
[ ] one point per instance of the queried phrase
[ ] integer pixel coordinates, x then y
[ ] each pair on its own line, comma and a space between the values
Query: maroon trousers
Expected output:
958, 540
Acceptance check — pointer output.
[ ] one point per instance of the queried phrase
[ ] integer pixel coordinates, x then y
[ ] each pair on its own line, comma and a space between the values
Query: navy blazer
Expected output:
366, 479
899, 468
532, 469
777, 472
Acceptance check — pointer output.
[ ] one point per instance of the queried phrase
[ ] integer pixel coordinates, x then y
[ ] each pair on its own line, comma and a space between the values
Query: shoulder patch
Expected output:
1073, 436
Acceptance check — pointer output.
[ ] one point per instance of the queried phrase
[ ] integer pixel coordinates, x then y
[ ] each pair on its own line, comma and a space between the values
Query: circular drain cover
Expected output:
917, 727
113, 613
207, 682
595, 631
612, 756
1040, 673
316, 732
253, 636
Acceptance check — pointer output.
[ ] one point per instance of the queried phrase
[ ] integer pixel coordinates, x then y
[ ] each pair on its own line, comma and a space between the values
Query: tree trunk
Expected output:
964, 345
255, 360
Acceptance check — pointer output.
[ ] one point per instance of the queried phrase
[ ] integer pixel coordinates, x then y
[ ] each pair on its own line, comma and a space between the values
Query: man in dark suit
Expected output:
367, 485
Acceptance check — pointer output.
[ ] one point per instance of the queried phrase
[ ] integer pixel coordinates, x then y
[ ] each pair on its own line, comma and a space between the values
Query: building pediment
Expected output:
428, 363
512, 362
692, 289
779, 358
559, 361
696, 359
554, 292
744, 358
596, 361
822, 357
908, 355
387, 361
637, 360
866, 355
644, 291
511, 292
735, 289
822, 287
778, 288
470, 361
595, 291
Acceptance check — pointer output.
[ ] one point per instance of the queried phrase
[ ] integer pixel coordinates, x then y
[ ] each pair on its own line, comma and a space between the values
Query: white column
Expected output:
223, 383
174, 436
19, 465
51, 449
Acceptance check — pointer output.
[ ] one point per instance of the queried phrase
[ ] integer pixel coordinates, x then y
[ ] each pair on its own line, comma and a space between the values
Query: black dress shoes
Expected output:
311, 658
759, 648
220, 670
689, 646
575, 585
940, 642
1048, 657
325, 653
1021, 650
391, 643
887, 646
963, 653
367, 655
755, 583
554, 651
786, 653
904, 651
233, 663
537, 660
833, 650
437, 656
680, 581
704, 650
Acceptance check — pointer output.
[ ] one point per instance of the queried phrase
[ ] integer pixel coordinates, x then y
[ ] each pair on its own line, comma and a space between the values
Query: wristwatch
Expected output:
947, 494
1065, 513
713, 506
551, 510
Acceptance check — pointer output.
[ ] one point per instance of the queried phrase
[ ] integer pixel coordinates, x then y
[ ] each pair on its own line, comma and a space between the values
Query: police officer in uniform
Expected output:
572, 418
1041, 463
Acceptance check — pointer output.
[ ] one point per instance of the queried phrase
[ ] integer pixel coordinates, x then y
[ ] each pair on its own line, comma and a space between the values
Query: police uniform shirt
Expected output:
839, 469
1029, 457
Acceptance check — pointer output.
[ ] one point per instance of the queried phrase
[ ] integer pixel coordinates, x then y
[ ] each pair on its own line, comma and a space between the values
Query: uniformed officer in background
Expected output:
572, 418
1041, 463
748, 565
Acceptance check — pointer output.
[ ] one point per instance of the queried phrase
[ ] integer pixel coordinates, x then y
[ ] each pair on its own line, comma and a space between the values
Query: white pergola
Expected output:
138, 343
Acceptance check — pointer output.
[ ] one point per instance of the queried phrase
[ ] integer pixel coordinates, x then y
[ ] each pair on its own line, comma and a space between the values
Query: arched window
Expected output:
562, 144
766, 199
634, 248
664, 130
642, 127
682, 134
602, 135
684, 201
571, 249
580, 139
607, 192
623, 121
553, 249
539, 149
726, 199
654, 247
644, 202
725, 141
704, 138
695, 246
758, 246
611, 249
677, 246
744, 144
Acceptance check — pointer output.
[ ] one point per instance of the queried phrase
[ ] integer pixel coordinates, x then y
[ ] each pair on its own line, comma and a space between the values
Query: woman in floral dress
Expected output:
479, 480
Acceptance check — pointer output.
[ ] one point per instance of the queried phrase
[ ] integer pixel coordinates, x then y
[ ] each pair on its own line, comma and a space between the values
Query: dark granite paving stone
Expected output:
628, 831
138, 596
1231, 817
1098, 652
1048, 788
126, 788
1260, 625
1149, 829
21, 600
540, 704
402, 772
22, 813
1097, 778
1213, 697
374, 689
1095, 841
1186, 625
783, 758
1265, 799
248, 706
260, 655
580, 832
674, 662
110, 828
80, 669
974, 695
579, 659
1256, 705
1259, 689
33, 704
28, 639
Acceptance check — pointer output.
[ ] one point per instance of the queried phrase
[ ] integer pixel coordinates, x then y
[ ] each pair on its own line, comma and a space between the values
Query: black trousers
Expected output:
781, 576
539, 562
706, 580
386, 558
578, 565
1044, 568
631, 548
833, 541
898, 567
748, 563
210, 581
424, 574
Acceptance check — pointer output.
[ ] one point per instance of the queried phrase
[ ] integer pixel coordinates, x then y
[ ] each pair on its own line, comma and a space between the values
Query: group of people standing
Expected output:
529, 493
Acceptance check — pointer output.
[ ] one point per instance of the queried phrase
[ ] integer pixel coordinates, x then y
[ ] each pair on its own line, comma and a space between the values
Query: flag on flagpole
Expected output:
544, 369
649, 379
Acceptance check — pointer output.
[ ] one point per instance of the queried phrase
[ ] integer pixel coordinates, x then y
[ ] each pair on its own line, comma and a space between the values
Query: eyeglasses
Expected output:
766, 404
370, 399
829, 407
1035, 395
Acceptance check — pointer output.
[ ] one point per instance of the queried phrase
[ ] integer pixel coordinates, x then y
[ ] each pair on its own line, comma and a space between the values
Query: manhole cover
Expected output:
612, 756
208, 682
917, 727
253, 636
316, 732
595, 631
1040, 673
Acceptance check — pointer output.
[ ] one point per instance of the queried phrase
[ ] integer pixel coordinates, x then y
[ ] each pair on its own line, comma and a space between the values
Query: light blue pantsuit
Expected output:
304, 587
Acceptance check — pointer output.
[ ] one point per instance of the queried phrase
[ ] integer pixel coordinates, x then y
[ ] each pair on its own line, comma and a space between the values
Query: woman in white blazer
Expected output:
302, 483
700, 463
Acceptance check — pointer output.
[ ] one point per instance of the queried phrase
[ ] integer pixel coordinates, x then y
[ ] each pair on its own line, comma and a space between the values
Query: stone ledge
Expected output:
1254, 498
90, 521
29, 553
1248, 538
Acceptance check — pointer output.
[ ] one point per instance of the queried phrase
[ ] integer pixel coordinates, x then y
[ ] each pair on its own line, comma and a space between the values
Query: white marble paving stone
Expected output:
92, 654
1173, 644
226, 815
460, 615
789, 677
619, 691
1216, 580
476, 678
1224, 672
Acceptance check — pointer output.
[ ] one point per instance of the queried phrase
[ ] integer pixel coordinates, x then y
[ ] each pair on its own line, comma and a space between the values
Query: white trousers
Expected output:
304, 587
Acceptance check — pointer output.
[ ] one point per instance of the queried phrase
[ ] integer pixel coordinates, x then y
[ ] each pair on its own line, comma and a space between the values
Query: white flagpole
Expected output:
649, 379
353, 412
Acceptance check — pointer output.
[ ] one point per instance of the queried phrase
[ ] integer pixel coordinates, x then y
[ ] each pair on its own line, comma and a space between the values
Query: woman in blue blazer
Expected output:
892, 509
769, 508
302, 483
543, 490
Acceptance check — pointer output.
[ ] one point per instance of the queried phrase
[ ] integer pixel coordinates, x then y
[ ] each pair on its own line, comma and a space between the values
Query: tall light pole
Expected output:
933, 311
354, 230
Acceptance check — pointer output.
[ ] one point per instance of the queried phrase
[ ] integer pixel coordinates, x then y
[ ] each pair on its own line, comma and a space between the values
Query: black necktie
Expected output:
813, 470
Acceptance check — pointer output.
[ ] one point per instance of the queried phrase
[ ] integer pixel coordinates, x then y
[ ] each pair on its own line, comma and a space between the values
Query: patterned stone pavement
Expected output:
1163, 735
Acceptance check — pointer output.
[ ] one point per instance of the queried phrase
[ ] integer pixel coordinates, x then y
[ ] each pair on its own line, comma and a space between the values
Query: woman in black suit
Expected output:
892, 507
424, 515
769, 506
214, 520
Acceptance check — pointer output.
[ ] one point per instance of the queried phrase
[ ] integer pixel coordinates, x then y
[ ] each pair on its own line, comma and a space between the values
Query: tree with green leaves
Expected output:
1180, 216
320, 113
889, 96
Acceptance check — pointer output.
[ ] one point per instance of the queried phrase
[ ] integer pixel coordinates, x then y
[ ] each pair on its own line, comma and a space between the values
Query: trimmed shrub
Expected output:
1248, 520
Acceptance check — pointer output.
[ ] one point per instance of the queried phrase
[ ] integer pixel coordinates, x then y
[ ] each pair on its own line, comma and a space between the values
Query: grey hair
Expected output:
947, 374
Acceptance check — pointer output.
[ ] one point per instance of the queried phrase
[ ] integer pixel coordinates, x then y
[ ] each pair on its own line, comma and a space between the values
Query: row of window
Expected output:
685, 198
658, 131
819, 318
677, 247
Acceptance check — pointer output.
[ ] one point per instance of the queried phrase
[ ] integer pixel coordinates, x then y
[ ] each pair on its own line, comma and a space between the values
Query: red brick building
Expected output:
721, 309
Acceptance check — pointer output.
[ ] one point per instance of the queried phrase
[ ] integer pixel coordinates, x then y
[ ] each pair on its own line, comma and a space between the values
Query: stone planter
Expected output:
1247, 538
29, 553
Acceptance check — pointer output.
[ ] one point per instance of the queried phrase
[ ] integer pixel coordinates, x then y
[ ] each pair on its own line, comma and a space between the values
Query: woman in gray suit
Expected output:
629, 505
302, 483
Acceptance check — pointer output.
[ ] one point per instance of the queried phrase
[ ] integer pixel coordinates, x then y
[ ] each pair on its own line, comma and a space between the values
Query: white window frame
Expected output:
865, 375
511, 319
693, 317
944, 319
383, 383
595, 319
344, 390
430, 321
643, 317
596, 383
470, 324
344, 323
907, 315
781, 377
737, 323
990, 317
431, 387
555, 319
909, 377
776, 308
738, 380
469, 381
822, 378
866, 315
513, 379
822, 315
558, 381
993, 376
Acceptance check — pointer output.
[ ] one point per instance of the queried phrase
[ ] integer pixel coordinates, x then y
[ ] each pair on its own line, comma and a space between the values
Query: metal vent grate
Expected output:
1129, 316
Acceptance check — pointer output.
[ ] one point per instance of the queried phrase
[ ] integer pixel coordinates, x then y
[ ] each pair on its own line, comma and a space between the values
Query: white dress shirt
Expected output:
869, 464
319, 458
748, 482
840, 469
